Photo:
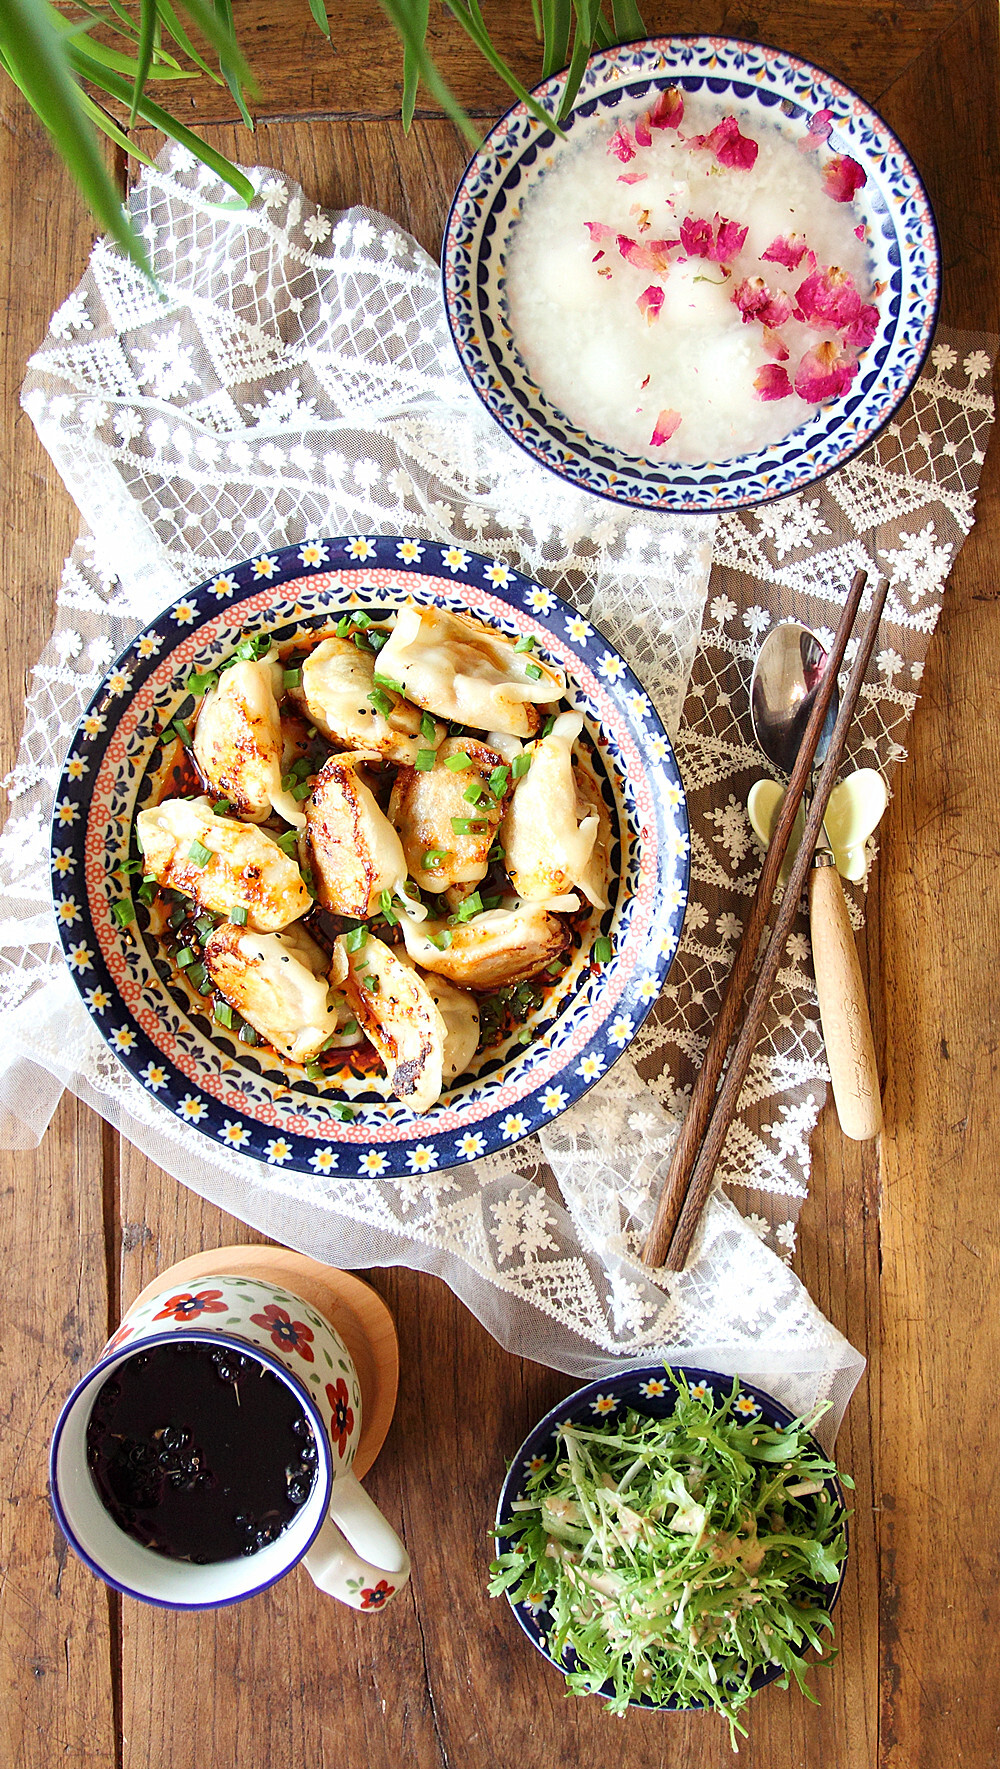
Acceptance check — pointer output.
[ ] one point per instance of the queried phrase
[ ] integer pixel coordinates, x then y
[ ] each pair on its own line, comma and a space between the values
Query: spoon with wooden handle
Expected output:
789, 667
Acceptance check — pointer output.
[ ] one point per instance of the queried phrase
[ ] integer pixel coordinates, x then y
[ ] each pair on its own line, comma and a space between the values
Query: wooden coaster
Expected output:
352, 1307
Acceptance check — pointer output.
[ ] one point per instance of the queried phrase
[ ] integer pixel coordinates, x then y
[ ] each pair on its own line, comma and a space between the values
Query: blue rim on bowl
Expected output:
630, 1388
758, 81
160, 1028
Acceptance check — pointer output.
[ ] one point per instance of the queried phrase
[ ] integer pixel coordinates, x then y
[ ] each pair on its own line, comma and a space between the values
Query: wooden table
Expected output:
899, 1246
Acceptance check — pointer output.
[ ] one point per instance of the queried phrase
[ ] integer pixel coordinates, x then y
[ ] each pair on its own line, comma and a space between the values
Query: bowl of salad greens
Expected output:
673, 1538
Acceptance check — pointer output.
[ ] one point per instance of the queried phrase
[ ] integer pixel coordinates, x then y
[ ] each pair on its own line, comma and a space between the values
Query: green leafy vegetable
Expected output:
678, 1556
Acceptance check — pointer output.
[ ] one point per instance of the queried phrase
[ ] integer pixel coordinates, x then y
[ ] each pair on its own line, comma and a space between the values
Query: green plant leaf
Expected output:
587, 14
471, 19
122, 25
557, 16
318, 10
628, 21
76, 31
147, 33
411, 67
230, 69
178, 33
110, 128
37, 57
116, 87
400, 16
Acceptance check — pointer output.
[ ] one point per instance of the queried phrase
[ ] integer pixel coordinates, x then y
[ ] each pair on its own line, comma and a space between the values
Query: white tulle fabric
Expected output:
293, 377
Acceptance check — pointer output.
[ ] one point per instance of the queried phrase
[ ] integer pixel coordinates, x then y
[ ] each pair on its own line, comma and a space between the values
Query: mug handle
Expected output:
354, 1527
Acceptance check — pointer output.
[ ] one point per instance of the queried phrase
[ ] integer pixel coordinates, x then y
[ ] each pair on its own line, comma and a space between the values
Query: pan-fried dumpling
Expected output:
460, 1012
356, 853
245, 865
550, 836
279, 984
338, 682
238, 741
425, 802
463, 670
396, 1010
500, 946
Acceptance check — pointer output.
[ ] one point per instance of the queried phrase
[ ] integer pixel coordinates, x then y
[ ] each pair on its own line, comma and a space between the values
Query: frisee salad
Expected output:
677, 1558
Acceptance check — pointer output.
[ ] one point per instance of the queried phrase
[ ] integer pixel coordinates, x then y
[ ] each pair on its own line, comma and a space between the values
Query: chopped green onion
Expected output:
473, 792
199, 853
246, 1034
288, 843
520, 765
147, 891
291, 678
309, 881
315, 1071
138, 842
301, 791
183, 733
129, 866
555, 968
199, 684
238, 915
198, 977
525, 1035
178, 916
380, 702
600, 952
123, 912
470, 906
343, 626
526, 644
387, 682
442, 940
385, 901
300, 768
428, 727
354, 941
466, 825
496, 853
547, 727
186, 956
345, 1114
223, 808
432, 858
223, 1013
362, 621
287, 782
348, 1029
458, 761
250, 650
532, 672
377, 639
499, 781
425, 760
204, 926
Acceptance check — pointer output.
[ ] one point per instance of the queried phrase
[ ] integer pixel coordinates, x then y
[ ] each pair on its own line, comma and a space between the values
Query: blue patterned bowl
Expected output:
760, 85
161, 1029
646, 1390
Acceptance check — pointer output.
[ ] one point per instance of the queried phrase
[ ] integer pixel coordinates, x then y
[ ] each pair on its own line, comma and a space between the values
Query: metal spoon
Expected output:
788, 669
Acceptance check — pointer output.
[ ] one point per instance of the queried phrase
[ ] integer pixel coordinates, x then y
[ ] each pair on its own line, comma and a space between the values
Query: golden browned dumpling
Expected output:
221, 863
279, 983
238, 741
464, 670
356, 854
342, 698
426, 805
396, 1010
500, 946
550, 835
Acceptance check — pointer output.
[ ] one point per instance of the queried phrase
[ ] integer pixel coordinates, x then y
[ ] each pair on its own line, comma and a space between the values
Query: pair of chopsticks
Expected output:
712, 1108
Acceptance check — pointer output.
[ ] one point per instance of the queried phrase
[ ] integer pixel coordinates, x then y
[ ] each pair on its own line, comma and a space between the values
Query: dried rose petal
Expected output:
622, 145
788, 249
664, 428
729, 146
668, 111
717, 239
828, 297
652, 255
771, 382
649, 303
599, 232
642, 135
756, 301
842, 176
825, 373
774, 344
820, 125
632, 177
597, 257
860, 334
859, 232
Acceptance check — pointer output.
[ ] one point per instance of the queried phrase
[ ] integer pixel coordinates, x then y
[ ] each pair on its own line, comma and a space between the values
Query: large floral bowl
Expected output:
161, 1029
759, 85
647, 1389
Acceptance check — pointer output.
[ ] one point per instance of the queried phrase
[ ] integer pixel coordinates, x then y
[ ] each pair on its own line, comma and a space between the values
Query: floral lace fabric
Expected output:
292, 377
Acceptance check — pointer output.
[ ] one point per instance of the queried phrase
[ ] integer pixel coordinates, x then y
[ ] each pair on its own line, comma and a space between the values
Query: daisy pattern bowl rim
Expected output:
243, 1099
515, 402
581, 1404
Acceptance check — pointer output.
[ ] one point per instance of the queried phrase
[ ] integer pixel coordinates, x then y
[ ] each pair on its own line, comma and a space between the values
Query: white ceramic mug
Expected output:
341, 1537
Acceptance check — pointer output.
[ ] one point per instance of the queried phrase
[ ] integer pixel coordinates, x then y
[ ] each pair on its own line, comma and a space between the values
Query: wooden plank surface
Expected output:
899, 1250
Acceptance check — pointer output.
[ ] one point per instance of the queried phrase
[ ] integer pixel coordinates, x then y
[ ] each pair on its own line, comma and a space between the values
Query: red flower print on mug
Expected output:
342, 1423
374, 1599
188, 1307
286, 1334
120, 1337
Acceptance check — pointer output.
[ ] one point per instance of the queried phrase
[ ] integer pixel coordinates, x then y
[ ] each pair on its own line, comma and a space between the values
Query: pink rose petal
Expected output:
774, 344
820, 125
825, 373
788, 249
771, 382
842, 176
728, 145
650, 255
622, 145
717, 239
642, 135
756, 301
859, 232
828, 297
668, 111
632, 177
666, 424
861, 332
649, 303
599, 232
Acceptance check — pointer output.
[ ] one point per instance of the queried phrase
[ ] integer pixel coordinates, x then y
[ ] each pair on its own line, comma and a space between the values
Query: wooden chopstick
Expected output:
739, 1064
692, 1131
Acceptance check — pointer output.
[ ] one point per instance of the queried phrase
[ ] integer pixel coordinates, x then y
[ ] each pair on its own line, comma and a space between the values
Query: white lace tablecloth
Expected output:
292, 377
